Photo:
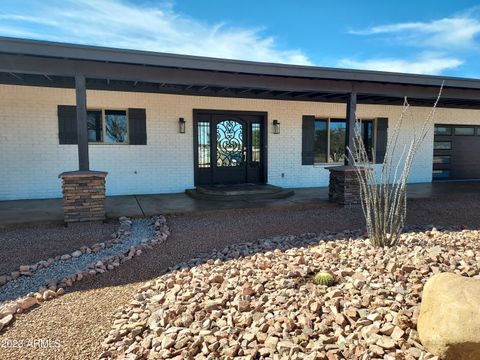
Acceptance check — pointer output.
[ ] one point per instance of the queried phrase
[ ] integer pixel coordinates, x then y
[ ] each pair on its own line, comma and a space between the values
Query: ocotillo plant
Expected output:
383, 189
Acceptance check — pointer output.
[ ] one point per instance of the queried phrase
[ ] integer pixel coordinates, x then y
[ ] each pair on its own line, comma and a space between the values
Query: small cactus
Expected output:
324, 278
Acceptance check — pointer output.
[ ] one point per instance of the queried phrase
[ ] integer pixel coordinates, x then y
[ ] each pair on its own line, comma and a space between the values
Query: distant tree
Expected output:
116, 128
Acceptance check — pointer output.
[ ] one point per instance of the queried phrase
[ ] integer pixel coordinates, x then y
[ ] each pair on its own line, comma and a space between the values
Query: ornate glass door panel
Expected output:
229, 149
230, 143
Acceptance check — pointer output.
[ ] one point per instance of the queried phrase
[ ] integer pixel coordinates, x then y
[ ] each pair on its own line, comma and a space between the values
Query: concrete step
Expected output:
239, 192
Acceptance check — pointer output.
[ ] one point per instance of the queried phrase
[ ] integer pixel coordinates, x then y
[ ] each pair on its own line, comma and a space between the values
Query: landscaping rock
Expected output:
62, 271
76, 254
4, 321
27, 303
449, 321
259, 299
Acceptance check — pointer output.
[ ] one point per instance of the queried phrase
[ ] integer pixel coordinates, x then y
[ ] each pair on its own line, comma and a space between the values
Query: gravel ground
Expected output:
141, 230
80, 319
25, 246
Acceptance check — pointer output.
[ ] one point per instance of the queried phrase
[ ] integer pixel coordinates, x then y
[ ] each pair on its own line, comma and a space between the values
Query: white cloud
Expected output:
443, 33
444, 44
426, 64
145, 27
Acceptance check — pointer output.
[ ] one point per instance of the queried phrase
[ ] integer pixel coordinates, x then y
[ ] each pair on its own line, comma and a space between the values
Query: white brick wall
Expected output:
31, 157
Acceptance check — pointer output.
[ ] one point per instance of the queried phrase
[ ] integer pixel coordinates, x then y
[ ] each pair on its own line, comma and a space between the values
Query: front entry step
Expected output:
239, 192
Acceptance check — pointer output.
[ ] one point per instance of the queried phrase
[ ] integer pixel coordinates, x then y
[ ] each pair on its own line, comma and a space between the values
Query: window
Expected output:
256, 141
465, 131
107, 126
443, 130
338, 135
441, 174
366, 127
115, 126
442, 145
321, 141
203, 144
330, 136
94, 126
442, 159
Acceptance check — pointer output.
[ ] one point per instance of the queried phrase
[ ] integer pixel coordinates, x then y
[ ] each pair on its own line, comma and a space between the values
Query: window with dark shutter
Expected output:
67, 124
381, 140
308, 133
137, 126
323, 139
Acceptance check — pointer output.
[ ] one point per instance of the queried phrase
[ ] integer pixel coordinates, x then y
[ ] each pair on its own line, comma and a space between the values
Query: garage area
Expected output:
456, 152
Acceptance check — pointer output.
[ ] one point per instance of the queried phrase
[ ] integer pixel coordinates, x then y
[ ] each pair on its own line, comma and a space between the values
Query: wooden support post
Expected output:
351, 119
82, 132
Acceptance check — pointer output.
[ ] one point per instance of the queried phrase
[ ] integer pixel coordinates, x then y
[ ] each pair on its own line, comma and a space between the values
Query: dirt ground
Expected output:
25, 246
77, 322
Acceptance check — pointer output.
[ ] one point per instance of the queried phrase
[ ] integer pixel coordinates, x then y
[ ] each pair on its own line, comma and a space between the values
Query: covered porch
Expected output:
85, 68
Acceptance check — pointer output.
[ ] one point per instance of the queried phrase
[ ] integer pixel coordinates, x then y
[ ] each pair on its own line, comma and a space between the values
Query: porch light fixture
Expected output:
276, 127
181, 125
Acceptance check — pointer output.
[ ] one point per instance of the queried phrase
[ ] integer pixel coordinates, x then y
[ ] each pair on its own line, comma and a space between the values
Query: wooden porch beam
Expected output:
351, 120
82, 131
125, 72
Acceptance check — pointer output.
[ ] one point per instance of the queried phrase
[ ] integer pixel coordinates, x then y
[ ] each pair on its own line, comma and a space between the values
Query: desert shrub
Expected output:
383, 190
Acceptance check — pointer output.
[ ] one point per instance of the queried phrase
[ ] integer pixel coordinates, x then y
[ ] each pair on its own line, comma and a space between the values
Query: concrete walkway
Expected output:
29, 212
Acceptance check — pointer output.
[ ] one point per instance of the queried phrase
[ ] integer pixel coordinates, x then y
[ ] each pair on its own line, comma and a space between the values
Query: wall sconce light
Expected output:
276, 127
181, 125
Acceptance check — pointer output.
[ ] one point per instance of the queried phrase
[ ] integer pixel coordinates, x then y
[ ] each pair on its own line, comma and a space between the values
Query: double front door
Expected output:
229, 147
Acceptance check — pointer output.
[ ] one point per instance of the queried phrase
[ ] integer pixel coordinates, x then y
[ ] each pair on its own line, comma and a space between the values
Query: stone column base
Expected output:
344, 187
83, 195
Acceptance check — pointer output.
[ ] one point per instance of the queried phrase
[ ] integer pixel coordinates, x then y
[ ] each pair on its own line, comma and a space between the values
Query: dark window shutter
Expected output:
137, 127
308, 133
381, 141
67, 124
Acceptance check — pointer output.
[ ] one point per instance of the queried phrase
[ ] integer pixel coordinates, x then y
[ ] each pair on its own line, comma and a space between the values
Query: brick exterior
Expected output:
31, 157
83, 196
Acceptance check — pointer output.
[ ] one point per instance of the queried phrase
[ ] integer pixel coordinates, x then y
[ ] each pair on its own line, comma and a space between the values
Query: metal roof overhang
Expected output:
40, 63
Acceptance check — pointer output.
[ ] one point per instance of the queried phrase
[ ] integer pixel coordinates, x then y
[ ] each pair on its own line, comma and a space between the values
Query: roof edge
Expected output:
141, 57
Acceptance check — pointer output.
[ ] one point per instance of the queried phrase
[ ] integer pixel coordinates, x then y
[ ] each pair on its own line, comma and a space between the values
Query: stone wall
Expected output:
83, 196
344, 188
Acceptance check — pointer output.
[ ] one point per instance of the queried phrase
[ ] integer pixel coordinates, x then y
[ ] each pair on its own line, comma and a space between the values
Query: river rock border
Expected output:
57, 287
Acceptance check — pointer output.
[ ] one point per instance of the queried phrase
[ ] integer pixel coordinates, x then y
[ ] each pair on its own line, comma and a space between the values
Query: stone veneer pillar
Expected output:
83, 195
344, 187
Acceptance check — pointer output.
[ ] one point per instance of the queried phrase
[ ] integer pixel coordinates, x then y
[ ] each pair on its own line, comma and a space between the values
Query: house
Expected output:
160, 123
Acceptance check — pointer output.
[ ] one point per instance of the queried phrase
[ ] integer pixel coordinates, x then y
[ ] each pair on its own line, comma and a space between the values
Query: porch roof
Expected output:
50, 64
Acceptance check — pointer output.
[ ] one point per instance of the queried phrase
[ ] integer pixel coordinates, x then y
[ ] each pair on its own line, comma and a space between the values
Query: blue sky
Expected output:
422, 36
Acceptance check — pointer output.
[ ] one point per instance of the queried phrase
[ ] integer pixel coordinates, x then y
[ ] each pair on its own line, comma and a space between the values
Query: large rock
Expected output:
27, 302
449, 321
4, 321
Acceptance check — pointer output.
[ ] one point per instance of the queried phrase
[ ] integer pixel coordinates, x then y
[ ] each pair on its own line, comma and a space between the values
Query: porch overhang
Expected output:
40, 63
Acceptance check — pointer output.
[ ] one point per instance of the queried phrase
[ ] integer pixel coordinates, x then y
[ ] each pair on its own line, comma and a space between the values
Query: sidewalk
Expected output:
30, 212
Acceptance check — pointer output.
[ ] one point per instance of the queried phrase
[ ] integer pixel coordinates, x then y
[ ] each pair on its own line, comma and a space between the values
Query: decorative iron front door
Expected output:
230, 150
229, 147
